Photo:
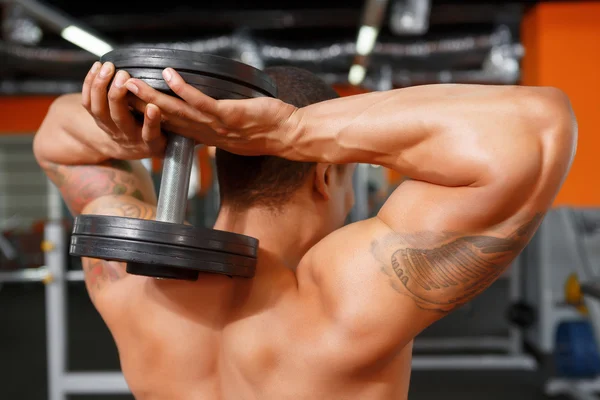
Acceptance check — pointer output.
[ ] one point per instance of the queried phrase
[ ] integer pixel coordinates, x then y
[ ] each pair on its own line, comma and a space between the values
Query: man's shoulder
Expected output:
343, 275
339, 245
342, 263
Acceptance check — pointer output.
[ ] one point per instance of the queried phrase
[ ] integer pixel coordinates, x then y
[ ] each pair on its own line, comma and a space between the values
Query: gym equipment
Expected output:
567, 244
166, 248
215, 76
573, 294
521, 314
141, 230
576, 354
591, 288
142, 242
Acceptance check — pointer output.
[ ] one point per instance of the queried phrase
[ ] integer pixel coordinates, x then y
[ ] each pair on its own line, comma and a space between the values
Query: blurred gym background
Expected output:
530, 336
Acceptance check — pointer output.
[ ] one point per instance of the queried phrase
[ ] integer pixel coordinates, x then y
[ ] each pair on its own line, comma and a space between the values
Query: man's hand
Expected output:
258, 126
110, 109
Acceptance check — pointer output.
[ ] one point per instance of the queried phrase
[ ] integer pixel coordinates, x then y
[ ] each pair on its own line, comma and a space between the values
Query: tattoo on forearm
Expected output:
80, 184
445, 277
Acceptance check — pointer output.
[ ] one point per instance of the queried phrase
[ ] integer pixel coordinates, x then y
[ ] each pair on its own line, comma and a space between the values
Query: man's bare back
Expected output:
223, 338
331, 313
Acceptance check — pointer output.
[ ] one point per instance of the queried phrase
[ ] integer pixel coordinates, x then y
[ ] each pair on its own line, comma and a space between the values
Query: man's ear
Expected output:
323, 180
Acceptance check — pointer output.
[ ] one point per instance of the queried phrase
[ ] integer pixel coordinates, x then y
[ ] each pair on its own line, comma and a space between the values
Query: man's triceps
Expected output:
451, 273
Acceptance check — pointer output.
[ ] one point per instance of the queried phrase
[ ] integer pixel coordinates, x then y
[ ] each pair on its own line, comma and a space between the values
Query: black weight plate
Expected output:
165, 233
218, 94
213, 87
198, 63
115, 249
160, 271
192, 77
203, 64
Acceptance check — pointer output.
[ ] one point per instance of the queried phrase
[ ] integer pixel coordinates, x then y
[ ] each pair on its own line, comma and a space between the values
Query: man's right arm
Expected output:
485, 164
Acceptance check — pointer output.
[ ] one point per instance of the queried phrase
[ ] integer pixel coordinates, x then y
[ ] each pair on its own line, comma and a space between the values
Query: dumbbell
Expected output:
167, 247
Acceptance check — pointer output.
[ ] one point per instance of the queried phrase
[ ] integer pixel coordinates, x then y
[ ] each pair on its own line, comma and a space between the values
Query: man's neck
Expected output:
286, 235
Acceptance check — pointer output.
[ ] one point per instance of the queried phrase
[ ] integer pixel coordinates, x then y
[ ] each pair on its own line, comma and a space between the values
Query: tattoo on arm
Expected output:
80, 184
447, 276
100, 273
116, 182
120, 206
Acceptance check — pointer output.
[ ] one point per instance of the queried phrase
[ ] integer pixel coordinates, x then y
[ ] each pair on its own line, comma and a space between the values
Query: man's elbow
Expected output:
558, 128
40, 140
546, 146
49, 136
52, 121
549, 118
549, 110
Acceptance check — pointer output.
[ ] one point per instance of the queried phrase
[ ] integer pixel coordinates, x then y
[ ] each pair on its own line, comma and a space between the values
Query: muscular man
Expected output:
332, 311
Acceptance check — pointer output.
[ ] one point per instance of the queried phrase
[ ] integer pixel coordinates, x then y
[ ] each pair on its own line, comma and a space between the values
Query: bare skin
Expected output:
331, 314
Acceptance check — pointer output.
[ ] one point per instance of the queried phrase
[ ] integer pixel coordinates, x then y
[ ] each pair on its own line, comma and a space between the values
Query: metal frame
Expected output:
552, 256
61, 382
572, 388
576, 389
474, 362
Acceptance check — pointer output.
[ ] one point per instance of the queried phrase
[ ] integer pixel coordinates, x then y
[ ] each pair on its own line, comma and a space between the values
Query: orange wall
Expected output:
23, 115
562, 49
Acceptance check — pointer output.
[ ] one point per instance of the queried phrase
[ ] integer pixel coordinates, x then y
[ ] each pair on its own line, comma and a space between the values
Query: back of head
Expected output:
267, 181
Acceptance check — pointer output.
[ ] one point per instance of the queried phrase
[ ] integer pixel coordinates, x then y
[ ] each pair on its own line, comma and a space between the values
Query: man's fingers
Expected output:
151, 130
151, 133
136, 103
142, 90
86, 91
171, 107
99, 99
119, 108
190, 94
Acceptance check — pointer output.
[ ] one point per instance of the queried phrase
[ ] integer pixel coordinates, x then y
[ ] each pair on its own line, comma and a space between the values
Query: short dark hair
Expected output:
269, 181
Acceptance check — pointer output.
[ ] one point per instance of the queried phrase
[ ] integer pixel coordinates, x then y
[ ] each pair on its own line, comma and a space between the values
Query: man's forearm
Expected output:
452, 135
69, 136
75, 155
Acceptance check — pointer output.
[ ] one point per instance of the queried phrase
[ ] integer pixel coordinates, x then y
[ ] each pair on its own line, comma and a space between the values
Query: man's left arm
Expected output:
72, 150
